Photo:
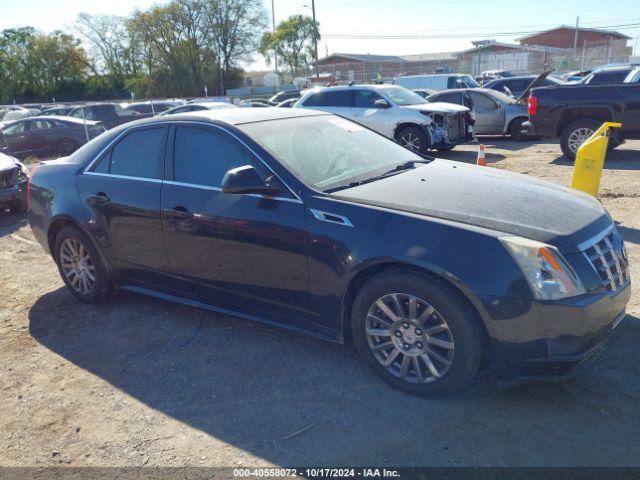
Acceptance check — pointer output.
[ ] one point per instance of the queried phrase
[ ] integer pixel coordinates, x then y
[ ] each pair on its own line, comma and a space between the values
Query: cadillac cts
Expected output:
308, 221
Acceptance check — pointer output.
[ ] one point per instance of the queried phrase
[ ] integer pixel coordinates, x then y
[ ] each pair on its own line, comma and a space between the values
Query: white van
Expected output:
436, 82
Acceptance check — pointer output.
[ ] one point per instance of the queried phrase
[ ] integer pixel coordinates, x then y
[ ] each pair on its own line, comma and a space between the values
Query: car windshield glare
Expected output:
402, 96
327, 152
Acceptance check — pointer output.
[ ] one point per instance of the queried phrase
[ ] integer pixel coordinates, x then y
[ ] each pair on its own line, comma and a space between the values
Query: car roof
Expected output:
235, 116
63, 118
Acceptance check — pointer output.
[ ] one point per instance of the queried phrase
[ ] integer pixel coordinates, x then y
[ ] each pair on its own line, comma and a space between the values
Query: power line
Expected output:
454, 35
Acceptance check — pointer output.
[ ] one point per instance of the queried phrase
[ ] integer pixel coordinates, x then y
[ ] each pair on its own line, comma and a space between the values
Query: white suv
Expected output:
397, 113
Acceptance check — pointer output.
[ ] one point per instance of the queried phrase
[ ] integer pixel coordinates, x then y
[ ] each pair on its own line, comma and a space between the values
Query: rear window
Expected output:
603, 78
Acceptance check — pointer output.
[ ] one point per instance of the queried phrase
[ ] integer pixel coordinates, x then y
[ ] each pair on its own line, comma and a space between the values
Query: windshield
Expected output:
326, 151
402, 96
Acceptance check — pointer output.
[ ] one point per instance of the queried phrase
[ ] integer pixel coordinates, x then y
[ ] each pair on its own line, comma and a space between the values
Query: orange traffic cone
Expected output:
482, 159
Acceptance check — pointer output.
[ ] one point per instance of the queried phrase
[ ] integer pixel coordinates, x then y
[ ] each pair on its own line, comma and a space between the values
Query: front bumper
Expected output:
13, 193
552, 340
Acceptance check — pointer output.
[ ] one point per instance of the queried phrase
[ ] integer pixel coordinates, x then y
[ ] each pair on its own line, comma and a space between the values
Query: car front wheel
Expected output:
412, 138
418, 333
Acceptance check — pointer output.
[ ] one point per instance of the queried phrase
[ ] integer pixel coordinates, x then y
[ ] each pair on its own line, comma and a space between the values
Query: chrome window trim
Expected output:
87, 171
217, 189
125, 177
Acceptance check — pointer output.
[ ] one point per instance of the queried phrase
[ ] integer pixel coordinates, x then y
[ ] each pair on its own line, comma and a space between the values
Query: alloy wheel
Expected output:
411, 141
578, 137
409, 337
77, 266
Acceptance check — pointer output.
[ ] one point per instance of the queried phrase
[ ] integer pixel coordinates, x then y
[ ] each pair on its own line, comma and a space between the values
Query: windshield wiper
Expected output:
405, 166
395, 170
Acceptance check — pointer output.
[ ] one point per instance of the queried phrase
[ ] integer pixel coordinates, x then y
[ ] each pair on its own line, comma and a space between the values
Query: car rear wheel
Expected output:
418, 333
66, 146
80, 266
575, 134
412, 138
515, 130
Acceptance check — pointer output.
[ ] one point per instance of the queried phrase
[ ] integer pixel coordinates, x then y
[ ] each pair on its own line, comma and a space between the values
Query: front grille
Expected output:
8, 178
607, 255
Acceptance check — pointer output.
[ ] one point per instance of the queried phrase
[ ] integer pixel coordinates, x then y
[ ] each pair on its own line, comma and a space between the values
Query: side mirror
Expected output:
246, 180
380, 103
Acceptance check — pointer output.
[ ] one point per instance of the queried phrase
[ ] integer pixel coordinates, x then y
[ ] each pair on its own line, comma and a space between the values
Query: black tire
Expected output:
445, 148
102, 286
515, 130
409, 136
67, 146
566, 143
464, 329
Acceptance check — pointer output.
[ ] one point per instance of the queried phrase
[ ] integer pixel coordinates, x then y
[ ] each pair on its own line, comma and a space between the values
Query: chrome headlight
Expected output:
549, 275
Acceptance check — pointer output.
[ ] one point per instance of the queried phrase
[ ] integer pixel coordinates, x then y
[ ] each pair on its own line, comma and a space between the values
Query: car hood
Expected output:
6, 162
490, 198
535, 83
438, 107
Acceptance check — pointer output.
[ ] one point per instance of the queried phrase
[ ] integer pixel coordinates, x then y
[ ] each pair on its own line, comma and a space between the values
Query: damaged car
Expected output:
14, 178
396, 113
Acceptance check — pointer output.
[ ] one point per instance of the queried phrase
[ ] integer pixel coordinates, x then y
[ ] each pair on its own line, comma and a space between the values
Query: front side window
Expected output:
139, 154
202, 156
366, 99
327, 152
481, 101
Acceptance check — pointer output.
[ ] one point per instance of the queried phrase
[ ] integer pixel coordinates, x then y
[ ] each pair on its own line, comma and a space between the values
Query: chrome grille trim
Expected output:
611, 266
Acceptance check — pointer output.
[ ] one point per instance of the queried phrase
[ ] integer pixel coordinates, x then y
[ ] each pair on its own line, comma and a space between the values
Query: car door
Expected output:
120, 193
247, 252
368, 114
489, 115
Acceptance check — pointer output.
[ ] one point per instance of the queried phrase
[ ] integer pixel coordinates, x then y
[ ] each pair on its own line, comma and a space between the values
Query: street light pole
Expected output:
315, 40
273, 23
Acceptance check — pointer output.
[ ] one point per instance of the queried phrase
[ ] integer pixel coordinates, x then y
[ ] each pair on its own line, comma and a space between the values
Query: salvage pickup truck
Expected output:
574, 112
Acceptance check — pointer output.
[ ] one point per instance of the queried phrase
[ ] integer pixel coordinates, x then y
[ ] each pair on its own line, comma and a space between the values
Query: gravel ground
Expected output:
138, 381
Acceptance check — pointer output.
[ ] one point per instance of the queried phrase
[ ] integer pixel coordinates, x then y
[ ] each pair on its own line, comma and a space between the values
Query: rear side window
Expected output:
202, 156
139, 155
339, 98
316, 100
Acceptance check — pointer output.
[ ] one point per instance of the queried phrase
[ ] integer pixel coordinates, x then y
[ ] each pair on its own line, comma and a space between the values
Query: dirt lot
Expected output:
141, 382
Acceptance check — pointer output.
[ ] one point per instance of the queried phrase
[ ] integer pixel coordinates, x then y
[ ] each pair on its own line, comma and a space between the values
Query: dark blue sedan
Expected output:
308, 221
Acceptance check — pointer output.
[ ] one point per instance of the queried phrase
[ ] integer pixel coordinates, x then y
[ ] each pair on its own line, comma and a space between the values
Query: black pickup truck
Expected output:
574, 112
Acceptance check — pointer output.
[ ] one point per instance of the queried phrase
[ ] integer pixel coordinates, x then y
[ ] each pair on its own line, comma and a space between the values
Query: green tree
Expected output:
293, 42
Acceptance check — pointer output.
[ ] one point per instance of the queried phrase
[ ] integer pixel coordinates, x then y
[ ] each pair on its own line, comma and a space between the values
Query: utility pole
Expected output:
575, 38
273, 23
315, 41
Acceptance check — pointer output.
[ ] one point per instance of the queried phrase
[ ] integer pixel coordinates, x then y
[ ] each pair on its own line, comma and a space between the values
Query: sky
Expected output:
431, 25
